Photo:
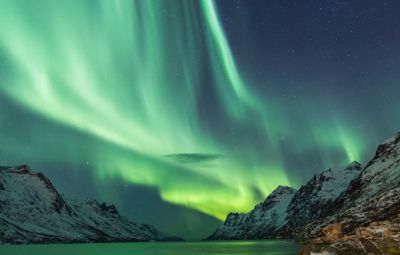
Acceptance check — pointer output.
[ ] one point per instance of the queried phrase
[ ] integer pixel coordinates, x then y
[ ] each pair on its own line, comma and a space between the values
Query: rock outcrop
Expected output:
377, 238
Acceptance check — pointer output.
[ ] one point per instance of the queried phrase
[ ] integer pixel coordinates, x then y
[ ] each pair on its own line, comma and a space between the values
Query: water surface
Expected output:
168, 248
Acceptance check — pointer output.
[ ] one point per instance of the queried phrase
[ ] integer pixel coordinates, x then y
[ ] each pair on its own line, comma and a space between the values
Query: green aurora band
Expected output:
132, 75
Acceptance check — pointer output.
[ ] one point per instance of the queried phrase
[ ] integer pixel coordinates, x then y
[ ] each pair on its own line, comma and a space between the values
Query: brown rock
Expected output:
332, 232
380, 224
393, 250
317, 241
387, 234
311, 249
346, 238
365, 233
377, 238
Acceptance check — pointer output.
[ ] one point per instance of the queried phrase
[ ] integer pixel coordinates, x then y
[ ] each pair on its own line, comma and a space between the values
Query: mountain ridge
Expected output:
353, 195
250, 225
33, 211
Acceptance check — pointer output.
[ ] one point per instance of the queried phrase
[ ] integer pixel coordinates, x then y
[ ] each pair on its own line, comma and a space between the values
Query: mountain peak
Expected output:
353, 164
265, 219
33, 211
278, 194
285, 188
21, 169
388, 149
393, 139
352, 195
353, 167
318, 193
282, 190
101, 207
335, 172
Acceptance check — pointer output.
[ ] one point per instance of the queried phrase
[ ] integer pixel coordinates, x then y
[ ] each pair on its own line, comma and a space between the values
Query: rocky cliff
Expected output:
32, 211
351, 196
374, 195
313, 200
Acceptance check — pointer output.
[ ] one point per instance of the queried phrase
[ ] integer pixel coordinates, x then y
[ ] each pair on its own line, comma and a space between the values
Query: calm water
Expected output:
181, 248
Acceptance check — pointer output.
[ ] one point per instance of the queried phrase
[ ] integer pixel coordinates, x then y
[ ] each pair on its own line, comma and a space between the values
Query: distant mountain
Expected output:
267, 217
32, 211
352, 196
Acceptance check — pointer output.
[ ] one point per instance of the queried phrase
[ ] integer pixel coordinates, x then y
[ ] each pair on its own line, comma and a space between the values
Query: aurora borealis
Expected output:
201, 106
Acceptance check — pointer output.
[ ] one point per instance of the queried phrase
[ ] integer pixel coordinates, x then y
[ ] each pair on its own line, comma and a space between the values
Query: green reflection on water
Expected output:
177, 248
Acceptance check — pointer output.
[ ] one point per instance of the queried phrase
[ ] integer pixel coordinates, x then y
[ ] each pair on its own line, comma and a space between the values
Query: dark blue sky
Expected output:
242, 95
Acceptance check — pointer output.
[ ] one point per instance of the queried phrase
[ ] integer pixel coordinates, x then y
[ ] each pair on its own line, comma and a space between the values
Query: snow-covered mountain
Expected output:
374, 195
318, 194
266, 218
32, 211
351, 195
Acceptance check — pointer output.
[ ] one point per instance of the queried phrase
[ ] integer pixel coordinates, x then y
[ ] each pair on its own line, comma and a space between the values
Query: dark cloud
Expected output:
193, 158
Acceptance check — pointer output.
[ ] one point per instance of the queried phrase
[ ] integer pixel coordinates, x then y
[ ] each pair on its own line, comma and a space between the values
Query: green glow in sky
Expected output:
133, 76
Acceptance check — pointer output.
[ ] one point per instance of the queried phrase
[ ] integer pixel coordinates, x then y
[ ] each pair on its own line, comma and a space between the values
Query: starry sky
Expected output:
180, 111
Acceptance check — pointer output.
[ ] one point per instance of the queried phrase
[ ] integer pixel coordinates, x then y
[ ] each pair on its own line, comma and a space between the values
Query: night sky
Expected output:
180, 111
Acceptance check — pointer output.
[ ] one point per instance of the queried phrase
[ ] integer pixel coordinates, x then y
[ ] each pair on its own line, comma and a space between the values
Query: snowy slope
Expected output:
350, 195
285, 212
264, 220
32, 211
318, 194
374, 195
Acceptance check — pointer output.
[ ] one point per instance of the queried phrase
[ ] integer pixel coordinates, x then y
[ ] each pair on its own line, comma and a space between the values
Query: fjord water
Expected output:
172, 248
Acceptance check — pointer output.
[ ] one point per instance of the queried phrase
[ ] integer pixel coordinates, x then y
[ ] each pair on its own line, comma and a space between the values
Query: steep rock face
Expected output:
374, 195
351, 196
318, 194
32, 211
264, 220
